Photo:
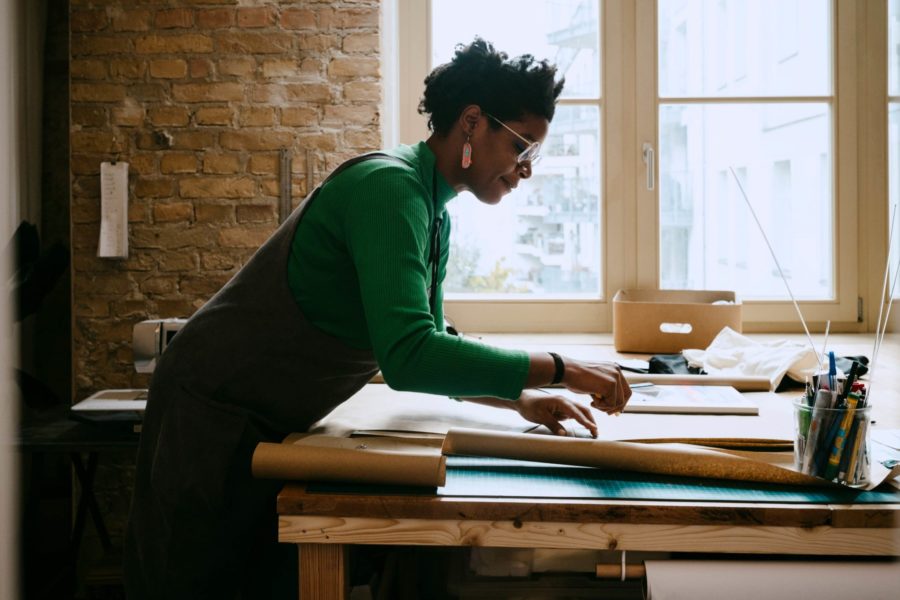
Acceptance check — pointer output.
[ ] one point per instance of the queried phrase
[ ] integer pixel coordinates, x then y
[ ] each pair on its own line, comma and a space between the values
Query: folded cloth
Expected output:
731, 353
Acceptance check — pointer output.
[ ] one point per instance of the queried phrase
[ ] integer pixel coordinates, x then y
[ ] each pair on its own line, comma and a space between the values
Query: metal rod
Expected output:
284, 200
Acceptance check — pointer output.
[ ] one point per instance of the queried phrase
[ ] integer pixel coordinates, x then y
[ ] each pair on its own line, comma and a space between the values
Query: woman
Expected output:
348, 285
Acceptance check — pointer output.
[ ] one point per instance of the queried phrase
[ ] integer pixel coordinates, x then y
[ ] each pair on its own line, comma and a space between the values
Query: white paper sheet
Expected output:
772, 580
113, 210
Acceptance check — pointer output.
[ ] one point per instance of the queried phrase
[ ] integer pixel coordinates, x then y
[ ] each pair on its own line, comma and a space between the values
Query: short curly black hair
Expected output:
479, 74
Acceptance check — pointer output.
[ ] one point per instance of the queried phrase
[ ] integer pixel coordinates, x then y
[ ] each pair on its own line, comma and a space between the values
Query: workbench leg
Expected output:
324, 572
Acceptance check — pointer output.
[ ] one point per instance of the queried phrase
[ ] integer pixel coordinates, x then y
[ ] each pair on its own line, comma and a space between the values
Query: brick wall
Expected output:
199, 97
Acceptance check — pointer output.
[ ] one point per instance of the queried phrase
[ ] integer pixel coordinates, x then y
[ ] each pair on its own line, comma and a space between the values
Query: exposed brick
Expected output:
214, 213
148, 92
131, 20
205, 286
193, 140
255, 140
170, 115
84, 165
270, 187
88, 20
154, 188
208, 92
257, 16
97, 92
130, 308
312, 67
88, 69
263, 164
95, 45
142, 163
128, 116
255, 213
159, 285
174, 18
350, 115
174, 308
363, 139
252, 43
200, 68
291, 92
298, 18
362, 43
243, 237
173, 68
319, 42
95, 141
279, 68
348, 18
178, 261
221, 164
173, 44
214, 116
180, 162
354, 67
217, 187
217, 261
91, 307
127, 68
215, 18
90, 115
171, 238
323, 141
362, 91
299, 116
173, 211
257, 116
237, 67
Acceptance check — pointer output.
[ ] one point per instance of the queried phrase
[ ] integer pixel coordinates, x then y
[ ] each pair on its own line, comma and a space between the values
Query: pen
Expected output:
832, 371
837, 449
823, 401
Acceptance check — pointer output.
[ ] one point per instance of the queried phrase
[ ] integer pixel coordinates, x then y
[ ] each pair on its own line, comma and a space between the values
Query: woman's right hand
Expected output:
602, 380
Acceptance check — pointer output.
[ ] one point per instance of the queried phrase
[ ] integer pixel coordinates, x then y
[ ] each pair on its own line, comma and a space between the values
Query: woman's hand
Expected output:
549, 409
602, 380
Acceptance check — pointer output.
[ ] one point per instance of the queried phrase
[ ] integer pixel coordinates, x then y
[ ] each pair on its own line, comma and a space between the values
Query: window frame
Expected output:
629, 118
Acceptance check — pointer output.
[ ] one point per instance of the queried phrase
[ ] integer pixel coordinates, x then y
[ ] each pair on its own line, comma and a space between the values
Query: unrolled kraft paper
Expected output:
665, 459
387, 461
772, 580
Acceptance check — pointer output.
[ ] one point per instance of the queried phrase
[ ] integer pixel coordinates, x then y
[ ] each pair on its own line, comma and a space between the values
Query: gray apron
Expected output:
246, 368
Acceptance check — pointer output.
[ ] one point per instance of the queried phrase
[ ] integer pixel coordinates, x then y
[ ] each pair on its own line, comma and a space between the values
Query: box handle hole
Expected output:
682, 328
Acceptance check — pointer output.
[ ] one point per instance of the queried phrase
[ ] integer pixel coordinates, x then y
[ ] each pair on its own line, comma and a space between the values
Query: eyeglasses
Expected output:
531, 153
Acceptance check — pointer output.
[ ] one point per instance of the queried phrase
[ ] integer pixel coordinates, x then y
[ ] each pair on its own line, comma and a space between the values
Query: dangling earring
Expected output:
467, 154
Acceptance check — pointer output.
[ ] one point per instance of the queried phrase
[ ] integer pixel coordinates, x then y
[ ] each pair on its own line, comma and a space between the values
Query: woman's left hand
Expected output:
549, 409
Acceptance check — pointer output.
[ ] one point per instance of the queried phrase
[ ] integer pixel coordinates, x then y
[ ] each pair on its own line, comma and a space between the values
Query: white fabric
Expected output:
772, 580
731, 353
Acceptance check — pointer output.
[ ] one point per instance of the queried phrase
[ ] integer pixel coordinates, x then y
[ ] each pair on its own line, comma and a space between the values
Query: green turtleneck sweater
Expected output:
359, 271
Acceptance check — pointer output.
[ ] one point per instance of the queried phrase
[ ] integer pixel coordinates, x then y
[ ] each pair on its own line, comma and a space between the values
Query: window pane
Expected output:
543, 238
744, 48
894, 47
562, 31
894, 185
708, 238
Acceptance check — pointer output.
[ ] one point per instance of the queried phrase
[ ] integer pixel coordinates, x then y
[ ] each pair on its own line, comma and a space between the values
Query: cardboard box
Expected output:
668, 321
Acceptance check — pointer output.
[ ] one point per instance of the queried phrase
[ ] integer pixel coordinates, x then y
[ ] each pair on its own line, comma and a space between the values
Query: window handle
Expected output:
649, 156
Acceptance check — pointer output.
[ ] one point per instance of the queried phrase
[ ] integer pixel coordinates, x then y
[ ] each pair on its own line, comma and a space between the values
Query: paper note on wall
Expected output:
113, 210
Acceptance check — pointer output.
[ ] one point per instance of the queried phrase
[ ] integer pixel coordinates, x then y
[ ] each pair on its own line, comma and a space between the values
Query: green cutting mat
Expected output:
491, 477
497, 477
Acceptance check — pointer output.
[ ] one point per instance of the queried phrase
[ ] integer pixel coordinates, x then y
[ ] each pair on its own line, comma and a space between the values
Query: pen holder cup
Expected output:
832, 443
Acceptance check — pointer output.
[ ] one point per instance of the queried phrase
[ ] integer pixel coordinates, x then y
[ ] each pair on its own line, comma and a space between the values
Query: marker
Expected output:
823, 401
834, 461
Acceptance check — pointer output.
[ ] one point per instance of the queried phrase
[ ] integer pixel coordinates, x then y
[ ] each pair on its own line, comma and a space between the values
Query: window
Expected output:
894, 133
671, 108
543, 240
